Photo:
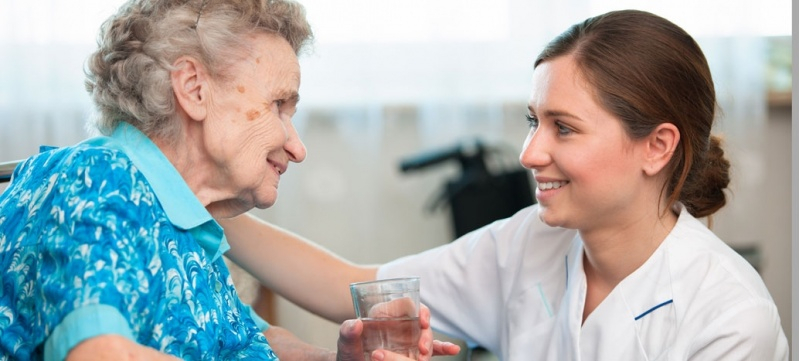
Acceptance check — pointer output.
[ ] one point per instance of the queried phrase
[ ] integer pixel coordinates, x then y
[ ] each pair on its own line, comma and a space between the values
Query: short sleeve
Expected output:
82, 324
468, 283
97, 265
449, 277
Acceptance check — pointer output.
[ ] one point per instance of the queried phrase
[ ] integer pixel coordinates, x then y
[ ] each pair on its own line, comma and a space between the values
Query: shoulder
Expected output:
525, 236
78, 167
89, 171
722, 301
497, 251
523, 225
749, 329
694, 250
76, 189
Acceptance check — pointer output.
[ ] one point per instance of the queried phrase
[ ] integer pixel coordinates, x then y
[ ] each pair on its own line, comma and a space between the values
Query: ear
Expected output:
659, 147
190, 86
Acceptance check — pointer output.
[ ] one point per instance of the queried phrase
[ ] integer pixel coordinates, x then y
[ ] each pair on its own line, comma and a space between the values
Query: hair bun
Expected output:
703, 194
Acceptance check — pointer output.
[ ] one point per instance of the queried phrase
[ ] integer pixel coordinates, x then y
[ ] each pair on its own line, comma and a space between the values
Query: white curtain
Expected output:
386, 80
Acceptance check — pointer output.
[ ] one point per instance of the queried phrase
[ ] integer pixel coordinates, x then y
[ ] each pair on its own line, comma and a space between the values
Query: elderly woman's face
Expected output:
251, 139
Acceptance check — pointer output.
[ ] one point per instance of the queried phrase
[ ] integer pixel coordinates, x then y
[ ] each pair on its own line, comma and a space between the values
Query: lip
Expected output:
544, 196
279, 167
543, 179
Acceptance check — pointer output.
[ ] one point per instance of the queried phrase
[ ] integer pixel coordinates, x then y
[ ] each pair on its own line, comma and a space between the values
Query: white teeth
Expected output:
551, 185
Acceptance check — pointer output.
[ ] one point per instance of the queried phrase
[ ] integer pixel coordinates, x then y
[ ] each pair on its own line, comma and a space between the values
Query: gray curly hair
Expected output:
128, 76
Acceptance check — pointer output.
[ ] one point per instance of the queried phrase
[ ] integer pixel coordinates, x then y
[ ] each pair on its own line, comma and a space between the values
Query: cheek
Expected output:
267, 132
252, 114
599, 165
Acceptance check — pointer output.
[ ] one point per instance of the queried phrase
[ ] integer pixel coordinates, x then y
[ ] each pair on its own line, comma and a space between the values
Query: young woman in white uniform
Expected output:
612, 263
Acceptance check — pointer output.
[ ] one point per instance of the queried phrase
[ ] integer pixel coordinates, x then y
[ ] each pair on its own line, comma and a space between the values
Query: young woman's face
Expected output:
587, 169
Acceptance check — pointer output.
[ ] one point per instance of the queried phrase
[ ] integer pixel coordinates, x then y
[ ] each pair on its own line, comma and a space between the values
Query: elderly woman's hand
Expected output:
351, 349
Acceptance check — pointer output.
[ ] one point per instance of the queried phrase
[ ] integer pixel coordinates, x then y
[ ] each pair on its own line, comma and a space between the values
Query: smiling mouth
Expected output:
551, 185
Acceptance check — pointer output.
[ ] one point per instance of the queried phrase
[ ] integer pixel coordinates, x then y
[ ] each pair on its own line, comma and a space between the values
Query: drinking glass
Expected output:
389, 310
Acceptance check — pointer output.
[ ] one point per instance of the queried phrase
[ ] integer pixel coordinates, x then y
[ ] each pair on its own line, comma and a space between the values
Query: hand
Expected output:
428, 347
384, 355
349, 341
350, 348
441, 349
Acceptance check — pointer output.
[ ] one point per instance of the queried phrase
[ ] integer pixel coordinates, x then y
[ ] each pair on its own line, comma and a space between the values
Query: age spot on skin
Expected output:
258, 60
252, 114
241, 89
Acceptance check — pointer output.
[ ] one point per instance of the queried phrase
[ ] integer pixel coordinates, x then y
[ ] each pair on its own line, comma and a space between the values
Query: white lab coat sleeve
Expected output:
466, 283
748, 331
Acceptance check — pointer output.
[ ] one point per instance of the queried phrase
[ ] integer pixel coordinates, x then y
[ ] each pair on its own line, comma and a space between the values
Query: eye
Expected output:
562, 129
279, 103
532, 120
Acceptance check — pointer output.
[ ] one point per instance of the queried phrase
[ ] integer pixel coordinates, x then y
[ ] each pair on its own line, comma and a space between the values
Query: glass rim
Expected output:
384, 280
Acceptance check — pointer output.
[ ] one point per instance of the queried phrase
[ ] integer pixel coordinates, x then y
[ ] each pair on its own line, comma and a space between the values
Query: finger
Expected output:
349, 341
443, 348
426, 344
424, 316
400, 307
383, 355
426, 338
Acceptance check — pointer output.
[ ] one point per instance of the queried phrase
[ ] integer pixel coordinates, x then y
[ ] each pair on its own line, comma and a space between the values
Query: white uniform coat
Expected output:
517, 288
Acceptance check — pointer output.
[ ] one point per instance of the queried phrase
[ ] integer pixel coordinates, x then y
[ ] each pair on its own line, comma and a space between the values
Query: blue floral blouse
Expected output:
105, 237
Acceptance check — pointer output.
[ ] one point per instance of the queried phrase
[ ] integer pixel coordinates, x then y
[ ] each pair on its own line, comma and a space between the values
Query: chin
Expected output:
264, 196
265, 204
546, 215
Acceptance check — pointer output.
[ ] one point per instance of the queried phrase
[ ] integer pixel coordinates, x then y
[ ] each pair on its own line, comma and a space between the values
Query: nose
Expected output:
294, 146
534, 152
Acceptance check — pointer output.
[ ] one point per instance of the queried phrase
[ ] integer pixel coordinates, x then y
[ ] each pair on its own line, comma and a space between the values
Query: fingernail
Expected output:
378, 355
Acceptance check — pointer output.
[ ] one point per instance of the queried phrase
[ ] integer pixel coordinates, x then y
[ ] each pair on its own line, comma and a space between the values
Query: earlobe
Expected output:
189, 86
660, 147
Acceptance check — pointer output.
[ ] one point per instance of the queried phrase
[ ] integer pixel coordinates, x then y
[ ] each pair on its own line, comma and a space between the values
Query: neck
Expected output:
189, 156
614, 253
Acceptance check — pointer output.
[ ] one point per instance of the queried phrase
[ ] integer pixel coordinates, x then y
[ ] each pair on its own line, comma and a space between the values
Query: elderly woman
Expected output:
109, 249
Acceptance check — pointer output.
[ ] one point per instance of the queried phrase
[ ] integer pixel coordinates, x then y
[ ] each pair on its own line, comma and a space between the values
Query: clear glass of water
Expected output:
389, 310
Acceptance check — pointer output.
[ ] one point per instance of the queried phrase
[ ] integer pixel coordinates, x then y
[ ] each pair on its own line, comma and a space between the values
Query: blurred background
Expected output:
387, 80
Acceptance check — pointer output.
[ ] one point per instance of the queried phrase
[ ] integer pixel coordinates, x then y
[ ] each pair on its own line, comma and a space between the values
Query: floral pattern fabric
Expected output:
80, 227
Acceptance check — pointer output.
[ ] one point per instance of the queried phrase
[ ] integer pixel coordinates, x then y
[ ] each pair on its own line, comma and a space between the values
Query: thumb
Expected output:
349, 341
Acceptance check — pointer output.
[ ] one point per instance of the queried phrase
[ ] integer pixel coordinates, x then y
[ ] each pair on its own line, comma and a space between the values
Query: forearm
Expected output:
289, 348
293, 267
114, 347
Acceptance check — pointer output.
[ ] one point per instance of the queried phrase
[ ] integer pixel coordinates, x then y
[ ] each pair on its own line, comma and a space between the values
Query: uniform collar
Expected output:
180, 204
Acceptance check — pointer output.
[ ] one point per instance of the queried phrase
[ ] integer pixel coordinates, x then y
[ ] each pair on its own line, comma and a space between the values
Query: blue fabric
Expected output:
259, 322
108, 226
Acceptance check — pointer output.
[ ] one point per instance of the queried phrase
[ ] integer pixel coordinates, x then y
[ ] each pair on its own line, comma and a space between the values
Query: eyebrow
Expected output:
289, 96
555, 113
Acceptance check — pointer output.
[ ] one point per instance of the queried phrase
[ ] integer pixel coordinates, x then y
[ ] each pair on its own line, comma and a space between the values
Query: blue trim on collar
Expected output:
652, 309
180, 204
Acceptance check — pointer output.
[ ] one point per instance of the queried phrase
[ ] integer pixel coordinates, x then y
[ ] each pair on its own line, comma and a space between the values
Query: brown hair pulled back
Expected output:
647, 71
128, 75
